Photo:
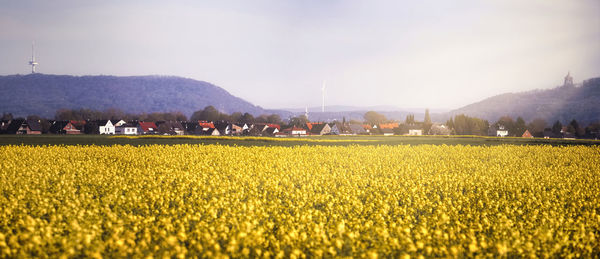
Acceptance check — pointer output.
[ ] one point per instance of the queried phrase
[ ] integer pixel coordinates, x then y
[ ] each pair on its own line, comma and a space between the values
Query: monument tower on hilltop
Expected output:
568, 80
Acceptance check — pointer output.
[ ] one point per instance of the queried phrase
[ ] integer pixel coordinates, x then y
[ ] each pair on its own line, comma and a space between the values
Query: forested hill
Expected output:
562, 103
43, 95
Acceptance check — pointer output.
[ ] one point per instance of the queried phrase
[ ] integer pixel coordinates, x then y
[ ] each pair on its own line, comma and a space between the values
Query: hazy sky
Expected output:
436, 54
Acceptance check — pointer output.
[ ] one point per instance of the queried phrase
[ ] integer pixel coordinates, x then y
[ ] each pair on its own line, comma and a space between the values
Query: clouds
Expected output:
276, 53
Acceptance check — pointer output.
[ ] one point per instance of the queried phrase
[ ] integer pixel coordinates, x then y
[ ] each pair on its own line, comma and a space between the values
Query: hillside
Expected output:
43, 94
561, 103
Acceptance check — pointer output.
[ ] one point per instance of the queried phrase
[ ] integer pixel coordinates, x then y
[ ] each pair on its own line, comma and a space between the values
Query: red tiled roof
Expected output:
274, 126
205, 124
147, 125
388, 125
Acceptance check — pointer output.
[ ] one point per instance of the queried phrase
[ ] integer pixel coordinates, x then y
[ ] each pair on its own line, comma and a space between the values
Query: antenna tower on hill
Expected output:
32, 62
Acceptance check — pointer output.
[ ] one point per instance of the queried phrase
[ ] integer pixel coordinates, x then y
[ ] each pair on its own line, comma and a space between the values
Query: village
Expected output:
205, 128
301, 129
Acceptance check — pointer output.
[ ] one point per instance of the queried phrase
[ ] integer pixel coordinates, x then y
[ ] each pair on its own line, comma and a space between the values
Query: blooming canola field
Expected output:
299, 201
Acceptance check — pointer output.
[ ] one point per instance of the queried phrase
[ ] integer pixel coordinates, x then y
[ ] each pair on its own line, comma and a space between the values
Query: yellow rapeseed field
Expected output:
301, 201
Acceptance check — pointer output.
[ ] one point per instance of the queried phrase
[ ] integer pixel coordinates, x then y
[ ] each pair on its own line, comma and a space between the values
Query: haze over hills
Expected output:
43, 95
580, 102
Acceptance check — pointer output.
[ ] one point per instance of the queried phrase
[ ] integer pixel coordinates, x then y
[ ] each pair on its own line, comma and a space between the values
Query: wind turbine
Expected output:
32, 62
306, 112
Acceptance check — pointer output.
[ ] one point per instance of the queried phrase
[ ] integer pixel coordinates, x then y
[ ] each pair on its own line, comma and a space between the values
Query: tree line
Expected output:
466, 125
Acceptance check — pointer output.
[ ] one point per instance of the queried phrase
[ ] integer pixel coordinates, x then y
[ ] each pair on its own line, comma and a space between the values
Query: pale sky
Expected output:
276, 54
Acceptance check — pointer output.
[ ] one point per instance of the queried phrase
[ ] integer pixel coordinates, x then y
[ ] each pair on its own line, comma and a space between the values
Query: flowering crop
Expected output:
301, 201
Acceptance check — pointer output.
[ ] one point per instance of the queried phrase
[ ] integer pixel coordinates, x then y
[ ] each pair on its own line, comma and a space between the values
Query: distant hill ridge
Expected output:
563, 103
43, 94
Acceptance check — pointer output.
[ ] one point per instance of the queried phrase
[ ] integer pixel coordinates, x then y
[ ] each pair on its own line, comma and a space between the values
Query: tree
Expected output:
557, 127
298, 121
373, 118
209, 113
427, 122
164, 128
450, 124
235, 117
6, 116
593, 130
247, 118
274, 119
465, 125
575, 128
519, 127
113, 114
410, 119
536, 127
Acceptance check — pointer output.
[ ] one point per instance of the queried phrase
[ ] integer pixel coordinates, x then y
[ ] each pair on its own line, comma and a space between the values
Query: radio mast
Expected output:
32, 62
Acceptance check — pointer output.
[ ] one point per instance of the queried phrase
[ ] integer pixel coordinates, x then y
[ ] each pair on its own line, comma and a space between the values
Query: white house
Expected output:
126, 129
501, 132
106, 127
415, 132
118, 123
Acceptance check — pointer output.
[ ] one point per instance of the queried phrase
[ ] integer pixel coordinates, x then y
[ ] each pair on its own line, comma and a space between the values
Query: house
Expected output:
387, 131
80, 125
170, 127
338, 128
224, 128
259, 126
527, 134
106, 127
64, 127
368, 128
294, 131
569, 135
3, 126
192, 128
270, 131
205, 125
320, 129
415, 132
146, 128
212, 132
498, 131
21, 126
118, 123
439, 129
387, 125
549, 134
501, 131
255, 131
177, 128
357, 129
239, 128
236, 129
274, 126
126, 129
